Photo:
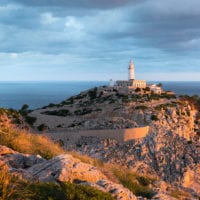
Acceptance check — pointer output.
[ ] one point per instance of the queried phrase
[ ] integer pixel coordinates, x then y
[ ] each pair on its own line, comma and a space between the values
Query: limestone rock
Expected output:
116, 190
163, 196
65, 168
17, 160
191, 178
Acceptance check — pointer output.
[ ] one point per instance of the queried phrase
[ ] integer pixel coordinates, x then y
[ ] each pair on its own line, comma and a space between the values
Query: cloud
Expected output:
48, 18
100, 36
167, 25
100, 4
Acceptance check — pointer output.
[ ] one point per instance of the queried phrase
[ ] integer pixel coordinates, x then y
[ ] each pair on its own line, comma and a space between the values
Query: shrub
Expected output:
30, 120
98, 110
84, 111
93, 93
147, 89
68, 101
62, 112
137, 184
141, 107
42, 127
13, 188
124, 98
188, 113
24, 110
51, 105
154, 118
137, 90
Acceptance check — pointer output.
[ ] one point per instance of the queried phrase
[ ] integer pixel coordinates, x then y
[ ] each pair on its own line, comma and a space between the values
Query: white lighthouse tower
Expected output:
131, 71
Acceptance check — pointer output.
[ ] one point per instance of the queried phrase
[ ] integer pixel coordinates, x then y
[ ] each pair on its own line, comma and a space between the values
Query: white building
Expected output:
131, 83
156, 89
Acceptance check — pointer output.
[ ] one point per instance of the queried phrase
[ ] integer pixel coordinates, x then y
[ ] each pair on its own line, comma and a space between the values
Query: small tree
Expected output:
137, 89
24, 110
154, 118
147, 89
42, 127
159, 85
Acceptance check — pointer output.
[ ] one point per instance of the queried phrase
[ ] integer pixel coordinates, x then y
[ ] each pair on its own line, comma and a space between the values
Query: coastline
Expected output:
40, 93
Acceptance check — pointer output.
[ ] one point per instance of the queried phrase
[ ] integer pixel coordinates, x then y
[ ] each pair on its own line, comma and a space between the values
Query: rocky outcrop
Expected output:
191, 178
63, 168
161, 154
117, 190
15, 160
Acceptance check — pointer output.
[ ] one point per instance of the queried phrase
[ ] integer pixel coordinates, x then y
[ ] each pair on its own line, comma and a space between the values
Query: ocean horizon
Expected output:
13, 94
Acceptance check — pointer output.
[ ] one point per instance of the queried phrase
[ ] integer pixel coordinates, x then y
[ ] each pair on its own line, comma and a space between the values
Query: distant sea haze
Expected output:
39, 94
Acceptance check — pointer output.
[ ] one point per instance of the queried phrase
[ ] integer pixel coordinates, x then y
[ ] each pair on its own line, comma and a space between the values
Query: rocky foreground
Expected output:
63, 168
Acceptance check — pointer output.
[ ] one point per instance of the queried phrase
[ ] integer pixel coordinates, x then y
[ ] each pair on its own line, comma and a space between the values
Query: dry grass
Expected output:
25, 142
179, 194
14, 188
11, 187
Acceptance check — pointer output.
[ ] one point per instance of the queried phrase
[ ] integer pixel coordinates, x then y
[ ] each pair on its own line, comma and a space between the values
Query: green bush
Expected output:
30, 120
63, 112
93, 93
13, 188
137, 90
24, 110
84, 111
42, 127
154, 118
69, 101
141, 107
137, 184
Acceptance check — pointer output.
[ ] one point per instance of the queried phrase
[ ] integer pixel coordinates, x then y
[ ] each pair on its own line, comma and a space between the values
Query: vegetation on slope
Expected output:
25, 142
139, 185
13, 188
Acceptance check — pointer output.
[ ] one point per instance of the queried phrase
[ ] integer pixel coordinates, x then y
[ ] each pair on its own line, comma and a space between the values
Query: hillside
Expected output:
170, 150
163, 163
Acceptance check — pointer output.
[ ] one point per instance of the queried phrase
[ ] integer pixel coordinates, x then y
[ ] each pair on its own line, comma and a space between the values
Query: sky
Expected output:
64, 40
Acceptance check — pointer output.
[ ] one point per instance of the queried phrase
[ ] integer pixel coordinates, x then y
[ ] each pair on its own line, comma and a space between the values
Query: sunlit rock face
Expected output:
63, 168
191, 178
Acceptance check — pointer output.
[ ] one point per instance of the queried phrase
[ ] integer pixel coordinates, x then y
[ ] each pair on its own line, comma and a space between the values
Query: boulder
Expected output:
191, 178
65, 168
117, 191
13, 159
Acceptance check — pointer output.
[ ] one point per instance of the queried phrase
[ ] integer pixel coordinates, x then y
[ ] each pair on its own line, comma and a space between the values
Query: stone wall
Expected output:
121, 135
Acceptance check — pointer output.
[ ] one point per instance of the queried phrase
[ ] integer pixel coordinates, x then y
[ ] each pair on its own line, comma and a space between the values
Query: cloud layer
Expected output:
99, 36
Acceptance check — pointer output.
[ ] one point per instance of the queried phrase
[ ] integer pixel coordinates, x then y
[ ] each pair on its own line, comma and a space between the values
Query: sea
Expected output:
38, 94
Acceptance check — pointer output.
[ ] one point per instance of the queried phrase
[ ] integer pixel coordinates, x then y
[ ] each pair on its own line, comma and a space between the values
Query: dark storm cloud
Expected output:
167, 25
101, 4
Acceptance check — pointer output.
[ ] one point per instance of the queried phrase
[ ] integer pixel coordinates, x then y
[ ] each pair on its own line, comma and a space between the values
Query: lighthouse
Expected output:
131, 71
